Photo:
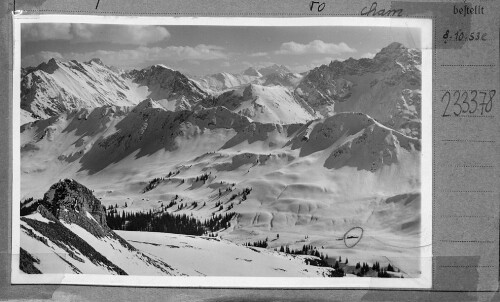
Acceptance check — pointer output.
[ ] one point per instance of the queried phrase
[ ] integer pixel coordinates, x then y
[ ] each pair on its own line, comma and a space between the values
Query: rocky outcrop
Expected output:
386, 87
69, 200
167, 84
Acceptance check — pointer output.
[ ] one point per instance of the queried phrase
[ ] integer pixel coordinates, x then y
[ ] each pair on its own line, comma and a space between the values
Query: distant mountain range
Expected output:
386, 87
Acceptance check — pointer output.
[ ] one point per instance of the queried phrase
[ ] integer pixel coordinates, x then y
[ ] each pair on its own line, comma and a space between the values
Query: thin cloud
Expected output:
42, 56
259, 54
313, 47
314, 63
136, 57
80, 33
368, 55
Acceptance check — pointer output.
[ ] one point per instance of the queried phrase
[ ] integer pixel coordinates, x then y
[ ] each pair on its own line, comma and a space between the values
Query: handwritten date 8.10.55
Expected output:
468, 102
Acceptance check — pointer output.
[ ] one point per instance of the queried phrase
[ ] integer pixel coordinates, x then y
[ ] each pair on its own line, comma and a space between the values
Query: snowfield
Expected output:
205, 256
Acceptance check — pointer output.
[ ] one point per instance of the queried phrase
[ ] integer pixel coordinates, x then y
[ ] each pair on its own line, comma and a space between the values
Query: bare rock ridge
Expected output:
71, 220
68, 197
165, 83
386, 87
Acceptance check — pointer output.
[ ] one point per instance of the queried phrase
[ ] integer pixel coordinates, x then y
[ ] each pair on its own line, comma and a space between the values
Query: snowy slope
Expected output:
300, 184
272, 75
69, 228
386, 87
169, 87
206, 256
56, 87
274, 104
66, 234
222, 81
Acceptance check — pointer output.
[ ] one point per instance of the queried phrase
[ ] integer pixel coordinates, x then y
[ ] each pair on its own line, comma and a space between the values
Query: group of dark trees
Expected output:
307, 249
364, 268
152, 184
260, 243
203, 177
244, 193
170, 174
157, 180
381, 272
166, 222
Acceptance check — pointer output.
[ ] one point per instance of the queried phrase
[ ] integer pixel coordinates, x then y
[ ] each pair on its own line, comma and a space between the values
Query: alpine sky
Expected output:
200, 50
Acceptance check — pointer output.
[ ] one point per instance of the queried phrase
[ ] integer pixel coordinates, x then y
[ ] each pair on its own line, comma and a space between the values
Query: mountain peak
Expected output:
251, 71
50, 66
145, 104
68, 196
394, 45
96, 60
161, 66
393, 49
275, 68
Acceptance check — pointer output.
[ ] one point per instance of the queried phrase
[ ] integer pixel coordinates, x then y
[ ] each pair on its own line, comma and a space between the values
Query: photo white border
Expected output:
422, 282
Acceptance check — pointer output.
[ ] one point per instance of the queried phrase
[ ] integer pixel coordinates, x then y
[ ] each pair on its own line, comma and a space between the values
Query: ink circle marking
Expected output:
346, 237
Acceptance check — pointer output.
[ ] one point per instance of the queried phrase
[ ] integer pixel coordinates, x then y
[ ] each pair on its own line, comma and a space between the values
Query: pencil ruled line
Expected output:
468, 140
467, 266
483, 116
468, 65
471, 166
468, 241
467, 216
467, 191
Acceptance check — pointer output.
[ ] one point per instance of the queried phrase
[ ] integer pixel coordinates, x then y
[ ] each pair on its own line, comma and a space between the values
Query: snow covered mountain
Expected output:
273, 75
274, 69
169, 87
386, 87
56, 87
266, 104
222, 81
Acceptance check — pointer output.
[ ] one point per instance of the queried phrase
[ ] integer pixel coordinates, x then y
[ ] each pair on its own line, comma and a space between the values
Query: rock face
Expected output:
69, 228
68, 199
386, 87
167, 84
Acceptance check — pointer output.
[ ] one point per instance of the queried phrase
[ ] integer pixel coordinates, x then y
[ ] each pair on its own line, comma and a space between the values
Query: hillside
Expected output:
274, 104
67, 233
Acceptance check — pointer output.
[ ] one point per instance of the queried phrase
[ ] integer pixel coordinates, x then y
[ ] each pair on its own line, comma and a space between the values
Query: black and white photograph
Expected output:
228, 152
